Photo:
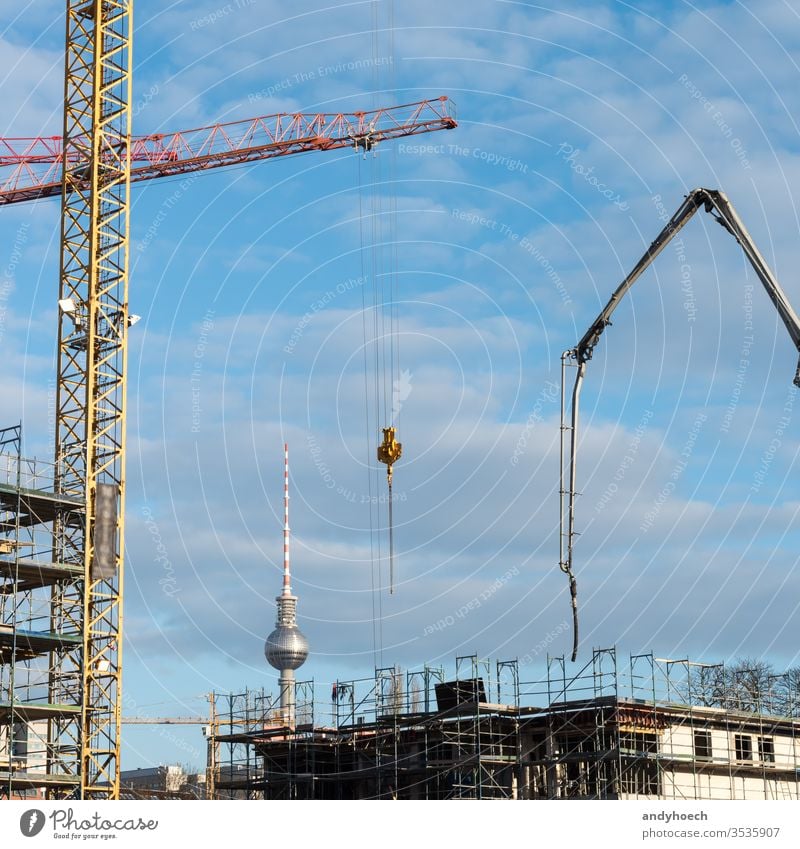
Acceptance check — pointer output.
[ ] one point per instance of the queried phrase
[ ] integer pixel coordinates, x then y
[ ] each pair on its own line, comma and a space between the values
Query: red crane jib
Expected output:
33, 167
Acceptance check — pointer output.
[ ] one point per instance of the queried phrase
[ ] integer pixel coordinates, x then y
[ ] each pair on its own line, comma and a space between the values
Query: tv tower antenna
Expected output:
286, 648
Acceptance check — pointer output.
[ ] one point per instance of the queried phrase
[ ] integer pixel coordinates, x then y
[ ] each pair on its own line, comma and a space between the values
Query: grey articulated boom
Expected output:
717, 204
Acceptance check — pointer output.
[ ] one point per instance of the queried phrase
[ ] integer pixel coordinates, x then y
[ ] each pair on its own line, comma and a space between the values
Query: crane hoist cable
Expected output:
720, 208
383, 340
377, 602
383, 256
389, 452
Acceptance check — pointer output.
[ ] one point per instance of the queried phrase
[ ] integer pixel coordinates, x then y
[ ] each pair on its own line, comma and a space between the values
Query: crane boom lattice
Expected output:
33, 166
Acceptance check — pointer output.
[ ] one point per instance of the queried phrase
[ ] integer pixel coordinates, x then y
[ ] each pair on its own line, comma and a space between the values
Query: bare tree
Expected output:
748, 684
786, 693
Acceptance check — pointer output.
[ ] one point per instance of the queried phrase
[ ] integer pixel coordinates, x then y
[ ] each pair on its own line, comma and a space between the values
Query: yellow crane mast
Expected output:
90, 404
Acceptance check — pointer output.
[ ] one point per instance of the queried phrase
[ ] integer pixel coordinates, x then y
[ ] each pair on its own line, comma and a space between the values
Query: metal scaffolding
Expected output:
645, 728
40, 614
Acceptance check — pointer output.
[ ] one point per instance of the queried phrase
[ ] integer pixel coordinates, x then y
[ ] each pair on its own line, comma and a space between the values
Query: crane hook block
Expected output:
390, 450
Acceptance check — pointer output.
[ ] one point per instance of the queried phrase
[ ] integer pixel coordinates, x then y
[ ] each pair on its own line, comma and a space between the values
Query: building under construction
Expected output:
648, 728
645, 728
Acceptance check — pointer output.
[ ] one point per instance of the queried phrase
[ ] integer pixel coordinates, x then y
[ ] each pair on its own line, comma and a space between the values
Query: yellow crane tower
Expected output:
92, 349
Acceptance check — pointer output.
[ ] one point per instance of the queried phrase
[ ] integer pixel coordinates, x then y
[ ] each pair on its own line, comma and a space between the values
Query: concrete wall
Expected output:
716, 778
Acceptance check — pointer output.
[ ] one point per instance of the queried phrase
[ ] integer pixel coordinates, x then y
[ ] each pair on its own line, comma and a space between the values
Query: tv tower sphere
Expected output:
286, 647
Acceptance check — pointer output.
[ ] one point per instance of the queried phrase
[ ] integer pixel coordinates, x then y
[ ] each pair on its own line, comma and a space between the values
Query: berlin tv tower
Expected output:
286, 648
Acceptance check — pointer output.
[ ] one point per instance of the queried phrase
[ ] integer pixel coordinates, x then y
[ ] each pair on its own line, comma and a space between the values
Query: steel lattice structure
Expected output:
90, 402
36, 163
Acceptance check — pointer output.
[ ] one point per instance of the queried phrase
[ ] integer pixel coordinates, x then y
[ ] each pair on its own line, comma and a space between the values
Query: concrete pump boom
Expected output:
717, 204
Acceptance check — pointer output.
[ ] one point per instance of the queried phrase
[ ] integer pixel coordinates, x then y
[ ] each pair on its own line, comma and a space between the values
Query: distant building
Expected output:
23, 752
23, 757
162, 782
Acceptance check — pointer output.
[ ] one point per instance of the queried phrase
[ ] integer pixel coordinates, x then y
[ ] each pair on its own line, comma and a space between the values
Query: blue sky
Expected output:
579, 126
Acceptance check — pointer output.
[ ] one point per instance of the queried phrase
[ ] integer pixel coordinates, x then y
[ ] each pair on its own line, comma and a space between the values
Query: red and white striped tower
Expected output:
286, 648
287, 581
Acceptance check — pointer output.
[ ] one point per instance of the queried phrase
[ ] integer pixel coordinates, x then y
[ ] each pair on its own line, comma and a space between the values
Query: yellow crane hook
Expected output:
389, 451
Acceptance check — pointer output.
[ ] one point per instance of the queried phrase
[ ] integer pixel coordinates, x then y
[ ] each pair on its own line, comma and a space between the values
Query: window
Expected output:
702, 745
640, 778
578, 770
19, 741
766, 749
638, 742
639, 775
744, 747
442, 752
571, 744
